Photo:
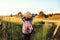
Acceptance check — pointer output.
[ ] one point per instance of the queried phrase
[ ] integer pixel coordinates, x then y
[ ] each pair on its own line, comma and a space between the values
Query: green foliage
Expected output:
49, 35
38, 31
13, 31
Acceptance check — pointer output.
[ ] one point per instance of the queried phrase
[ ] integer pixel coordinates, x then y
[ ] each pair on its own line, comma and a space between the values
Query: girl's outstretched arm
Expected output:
33, 15
21, 15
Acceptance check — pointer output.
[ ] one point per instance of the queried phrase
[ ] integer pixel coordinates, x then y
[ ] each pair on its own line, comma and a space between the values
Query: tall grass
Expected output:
13, 31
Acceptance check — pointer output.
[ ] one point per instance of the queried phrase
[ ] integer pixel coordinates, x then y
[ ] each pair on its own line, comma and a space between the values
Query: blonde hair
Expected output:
27, 14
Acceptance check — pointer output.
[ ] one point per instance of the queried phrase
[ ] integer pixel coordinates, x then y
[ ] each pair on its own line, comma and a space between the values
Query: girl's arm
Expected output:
21, 15
33, 15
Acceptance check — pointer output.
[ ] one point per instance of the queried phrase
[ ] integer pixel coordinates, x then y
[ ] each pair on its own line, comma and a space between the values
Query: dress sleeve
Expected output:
33, 15
21, 15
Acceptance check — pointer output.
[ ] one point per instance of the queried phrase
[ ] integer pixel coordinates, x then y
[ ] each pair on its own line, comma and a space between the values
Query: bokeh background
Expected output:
11, 27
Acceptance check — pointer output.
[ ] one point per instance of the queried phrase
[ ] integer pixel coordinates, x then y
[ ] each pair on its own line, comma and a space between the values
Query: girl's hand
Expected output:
21, 14
34, 15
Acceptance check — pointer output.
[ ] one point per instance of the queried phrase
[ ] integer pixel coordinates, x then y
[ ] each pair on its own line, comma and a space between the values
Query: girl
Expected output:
27, 25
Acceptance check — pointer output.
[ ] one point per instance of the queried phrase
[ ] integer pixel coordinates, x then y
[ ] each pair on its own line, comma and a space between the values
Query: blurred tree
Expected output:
50, 15
41, 13
11, 15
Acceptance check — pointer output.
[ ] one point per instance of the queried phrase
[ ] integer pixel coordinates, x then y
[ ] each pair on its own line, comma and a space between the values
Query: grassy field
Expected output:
42, 31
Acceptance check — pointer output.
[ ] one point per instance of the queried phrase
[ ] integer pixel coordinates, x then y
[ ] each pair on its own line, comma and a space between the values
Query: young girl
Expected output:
27, 19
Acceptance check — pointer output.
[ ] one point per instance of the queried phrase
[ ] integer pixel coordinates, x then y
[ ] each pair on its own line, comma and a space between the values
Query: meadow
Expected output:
42, 31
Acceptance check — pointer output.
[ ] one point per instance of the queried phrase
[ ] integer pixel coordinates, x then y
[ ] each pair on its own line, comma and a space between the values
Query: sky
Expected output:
8, 7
